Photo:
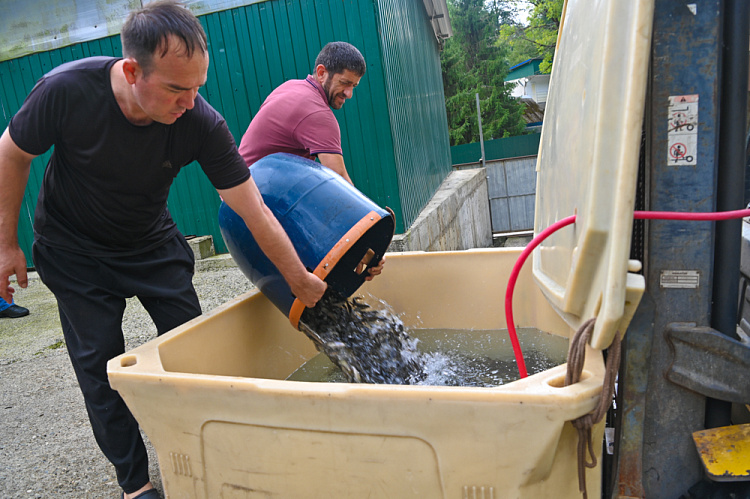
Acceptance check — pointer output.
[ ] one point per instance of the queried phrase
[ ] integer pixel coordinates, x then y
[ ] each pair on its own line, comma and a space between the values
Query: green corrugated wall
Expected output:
17, 78
416, 103
394, 130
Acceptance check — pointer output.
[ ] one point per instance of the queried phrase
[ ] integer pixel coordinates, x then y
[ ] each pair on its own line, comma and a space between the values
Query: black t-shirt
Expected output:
106, 184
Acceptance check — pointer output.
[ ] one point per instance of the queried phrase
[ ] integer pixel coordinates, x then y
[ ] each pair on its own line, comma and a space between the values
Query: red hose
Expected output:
512, 284
678, 215
638, 215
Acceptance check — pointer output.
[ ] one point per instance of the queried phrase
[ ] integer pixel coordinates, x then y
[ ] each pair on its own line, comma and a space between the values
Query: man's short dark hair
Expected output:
147, 31
339, 56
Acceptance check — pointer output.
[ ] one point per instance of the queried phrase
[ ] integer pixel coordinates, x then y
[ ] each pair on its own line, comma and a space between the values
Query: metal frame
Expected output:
682, 365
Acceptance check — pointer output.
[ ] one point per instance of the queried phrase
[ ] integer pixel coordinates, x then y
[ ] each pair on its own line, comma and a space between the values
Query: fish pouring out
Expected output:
368, 345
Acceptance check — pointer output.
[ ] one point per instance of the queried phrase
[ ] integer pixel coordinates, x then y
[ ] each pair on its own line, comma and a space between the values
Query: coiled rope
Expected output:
576, 353
576, 358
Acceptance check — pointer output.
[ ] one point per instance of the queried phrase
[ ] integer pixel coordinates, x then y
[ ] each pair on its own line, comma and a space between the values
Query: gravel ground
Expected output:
46, 445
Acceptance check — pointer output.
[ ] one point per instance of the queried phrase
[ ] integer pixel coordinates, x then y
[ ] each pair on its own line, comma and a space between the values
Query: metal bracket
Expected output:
709, 362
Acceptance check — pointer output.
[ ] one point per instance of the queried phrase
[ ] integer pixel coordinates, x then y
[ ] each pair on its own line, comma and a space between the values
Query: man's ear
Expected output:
131, 69
321, 72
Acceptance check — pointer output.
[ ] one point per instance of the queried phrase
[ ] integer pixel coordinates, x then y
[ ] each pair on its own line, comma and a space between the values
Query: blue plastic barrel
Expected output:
338, 232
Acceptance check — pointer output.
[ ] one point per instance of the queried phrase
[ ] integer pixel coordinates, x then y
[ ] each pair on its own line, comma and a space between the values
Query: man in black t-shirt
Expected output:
121, 130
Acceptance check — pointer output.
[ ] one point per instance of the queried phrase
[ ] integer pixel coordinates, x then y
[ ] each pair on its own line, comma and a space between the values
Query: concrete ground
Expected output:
46, 445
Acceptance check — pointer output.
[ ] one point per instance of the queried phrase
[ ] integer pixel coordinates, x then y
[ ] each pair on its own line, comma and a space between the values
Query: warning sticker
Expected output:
682, 130
686, 279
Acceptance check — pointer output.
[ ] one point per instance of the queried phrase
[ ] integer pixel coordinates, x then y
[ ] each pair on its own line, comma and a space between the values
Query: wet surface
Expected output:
368, 345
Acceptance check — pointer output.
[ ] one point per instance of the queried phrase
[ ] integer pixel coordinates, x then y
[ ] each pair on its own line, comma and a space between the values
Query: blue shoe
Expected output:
14, 311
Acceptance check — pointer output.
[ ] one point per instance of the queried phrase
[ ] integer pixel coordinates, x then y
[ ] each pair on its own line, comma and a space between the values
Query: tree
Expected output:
535, 38
473, 63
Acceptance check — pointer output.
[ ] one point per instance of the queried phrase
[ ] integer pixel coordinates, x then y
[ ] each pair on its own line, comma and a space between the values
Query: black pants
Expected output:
91, 294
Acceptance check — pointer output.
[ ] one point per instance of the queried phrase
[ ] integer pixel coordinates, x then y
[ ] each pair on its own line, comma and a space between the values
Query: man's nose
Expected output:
348, 92
187, 99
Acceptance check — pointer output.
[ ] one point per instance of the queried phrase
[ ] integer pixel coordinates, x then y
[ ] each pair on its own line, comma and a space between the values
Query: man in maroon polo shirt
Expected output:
296, 117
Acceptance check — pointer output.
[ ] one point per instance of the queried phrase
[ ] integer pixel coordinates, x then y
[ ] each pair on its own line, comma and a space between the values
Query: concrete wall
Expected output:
511, 184
456, 218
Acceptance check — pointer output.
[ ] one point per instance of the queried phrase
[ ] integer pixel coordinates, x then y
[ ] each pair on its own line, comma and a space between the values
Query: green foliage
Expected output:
488, 38
538, 37
473, 63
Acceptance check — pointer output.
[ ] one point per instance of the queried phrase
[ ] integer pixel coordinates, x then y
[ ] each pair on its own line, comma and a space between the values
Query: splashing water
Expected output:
368, 345
359, 344
484, 358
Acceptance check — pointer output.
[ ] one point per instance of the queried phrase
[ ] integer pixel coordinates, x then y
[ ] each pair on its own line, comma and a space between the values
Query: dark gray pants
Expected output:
91, 293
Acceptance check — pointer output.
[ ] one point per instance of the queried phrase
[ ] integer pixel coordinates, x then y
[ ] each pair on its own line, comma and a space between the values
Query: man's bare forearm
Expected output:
14, 172
247, 202
335, 162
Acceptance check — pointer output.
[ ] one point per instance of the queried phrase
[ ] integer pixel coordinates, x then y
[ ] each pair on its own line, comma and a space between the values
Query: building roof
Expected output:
437, 11
529, 67
28, 26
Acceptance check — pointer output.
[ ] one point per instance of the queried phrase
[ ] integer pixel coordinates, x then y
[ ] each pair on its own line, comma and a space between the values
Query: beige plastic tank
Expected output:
212, 395
213, 399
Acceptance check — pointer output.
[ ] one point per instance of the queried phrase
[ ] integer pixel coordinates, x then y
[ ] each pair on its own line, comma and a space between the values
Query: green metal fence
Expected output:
394, 130
510, 147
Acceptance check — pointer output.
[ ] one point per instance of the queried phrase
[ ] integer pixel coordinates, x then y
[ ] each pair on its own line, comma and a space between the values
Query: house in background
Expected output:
394, 131
531, 86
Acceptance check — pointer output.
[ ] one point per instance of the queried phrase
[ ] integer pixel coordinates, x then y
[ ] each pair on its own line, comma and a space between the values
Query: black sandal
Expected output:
149, 494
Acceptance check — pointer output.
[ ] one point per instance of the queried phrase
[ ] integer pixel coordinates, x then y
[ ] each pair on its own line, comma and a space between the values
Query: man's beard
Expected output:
327, 90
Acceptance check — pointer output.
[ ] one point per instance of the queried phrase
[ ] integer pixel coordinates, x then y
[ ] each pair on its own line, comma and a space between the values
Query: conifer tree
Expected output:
475, 63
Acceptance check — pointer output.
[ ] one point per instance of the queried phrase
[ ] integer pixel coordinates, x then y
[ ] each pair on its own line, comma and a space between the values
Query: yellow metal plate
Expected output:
725, 452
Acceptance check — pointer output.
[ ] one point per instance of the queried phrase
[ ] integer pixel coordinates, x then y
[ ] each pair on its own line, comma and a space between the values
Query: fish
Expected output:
368, 345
